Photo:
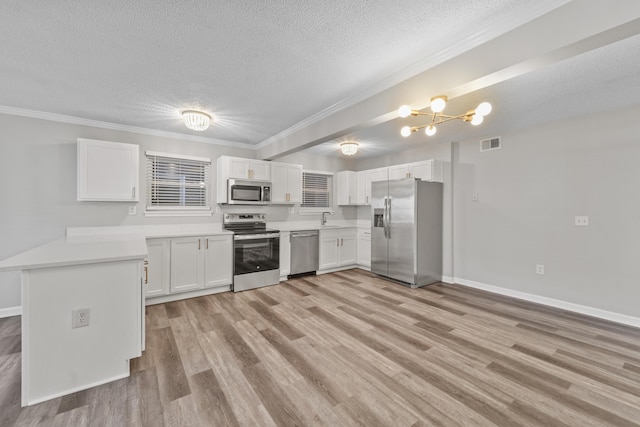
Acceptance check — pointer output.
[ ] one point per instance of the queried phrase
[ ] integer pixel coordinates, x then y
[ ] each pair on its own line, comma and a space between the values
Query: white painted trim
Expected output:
177, 156
448, 279
185, 295
11, 311
564, 305
467, 42
4, 109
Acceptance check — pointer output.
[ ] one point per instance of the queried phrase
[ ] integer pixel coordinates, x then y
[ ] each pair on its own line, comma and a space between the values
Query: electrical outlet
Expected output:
475, 197
81, 317
539, 269
582, 221
132, 210
292, 210
217, 209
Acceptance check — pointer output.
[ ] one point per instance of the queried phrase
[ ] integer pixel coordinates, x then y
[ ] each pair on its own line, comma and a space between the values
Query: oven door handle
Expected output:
256, 236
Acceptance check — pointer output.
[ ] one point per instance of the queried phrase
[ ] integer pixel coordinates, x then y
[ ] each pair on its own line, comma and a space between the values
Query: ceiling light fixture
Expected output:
349, 148
196, 120
475, 117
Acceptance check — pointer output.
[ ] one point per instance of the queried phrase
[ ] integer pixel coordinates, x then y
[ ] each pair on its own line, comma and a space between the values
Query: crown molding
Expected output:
467, 42
13, 111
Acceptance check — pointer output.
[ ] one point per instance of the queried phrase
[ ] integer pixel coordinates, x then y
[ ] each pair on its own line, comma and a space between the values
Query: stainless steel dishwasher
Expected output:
304, 252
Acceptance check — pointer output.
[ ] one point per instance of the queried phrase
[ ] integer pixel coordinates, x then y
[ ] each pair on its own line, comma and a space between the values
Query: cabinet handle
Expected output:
146, 272
367, 199
349, 199
341, 241
198, 244
207, 244
133, 192
337, 242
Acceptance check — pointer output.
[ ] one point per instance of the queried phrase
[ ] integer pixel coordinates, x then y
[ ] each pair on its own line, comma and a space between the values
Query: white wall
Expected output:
38, 191
529, 192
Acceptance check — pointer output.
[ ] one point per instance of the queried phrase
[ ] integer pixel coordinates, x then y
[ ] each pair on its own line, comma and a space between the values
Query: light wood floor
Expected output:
351, 349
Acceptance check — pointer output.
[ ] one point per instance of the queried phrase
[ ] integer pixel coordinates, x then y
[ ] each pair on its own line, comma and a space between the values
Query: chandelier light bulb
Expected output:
404, 111
430, 130
438, 103
483, 109
405, 131
196, 120
477, 119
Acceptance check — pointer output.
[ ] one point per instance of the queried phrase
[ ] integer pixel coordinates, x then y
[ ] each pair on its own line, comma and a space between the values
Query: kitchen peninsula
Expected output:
82, 313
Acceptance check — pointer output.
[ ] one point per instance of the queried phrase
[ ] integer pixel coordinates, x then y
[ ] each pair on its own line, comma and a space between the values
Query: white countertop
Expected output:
315, 225
63, 252
147, 231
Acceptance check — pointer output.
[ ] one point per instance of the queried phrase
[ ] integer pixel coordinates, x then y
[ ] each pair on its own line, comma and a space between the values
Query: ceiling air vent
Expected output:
490, 144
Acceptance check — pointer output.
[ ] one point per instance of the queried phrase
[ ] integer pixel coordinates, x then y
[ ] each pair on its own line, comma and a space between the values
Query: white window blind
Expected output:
316, 190
178, 183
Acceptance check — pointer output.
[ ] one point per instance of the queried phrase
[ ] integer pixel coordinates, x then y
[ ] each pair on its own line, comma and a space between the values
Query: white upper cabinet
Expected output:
347, 187
286, 183
361, 185
107, 171
240, 168
373, 175
399, 171
427, 170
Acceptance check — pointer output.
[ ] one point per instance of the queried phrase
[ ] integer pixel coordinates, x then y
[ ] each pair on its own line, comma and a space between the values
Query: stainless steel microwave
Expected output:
248, 192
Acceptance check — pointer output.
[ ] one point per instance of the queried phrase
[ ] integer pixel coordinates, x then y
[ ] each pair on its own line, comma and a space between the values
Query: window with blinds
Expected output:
178, 183
317, 189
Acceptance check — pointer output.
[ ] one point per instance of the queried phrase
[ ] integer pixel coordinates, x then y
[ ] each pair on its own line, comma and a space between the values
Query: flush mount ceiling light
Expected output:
349, 148
196, 120
475, 117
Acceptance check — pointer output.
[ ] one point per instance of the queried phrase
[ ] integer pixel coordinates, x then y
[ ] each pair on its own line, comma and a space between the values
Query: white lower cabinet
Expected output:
185, 264
158, 268
285, 254
337, 248
364, 247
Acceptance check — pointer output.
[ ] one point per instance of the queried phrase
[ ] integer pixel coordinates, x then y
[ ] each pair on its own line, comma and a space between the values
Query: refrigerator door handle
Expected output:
385, 218
388, 218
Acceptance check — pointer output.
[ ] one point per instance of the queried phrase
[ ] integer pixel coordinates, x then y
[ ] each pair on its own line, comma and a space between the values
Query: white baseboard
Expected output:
11, 311
564, 305
447, 279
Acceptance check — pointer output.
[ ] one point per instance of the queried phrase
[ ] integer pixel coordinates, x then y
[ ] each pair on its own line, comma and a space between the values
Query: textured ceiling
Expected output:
604, 79
258, 67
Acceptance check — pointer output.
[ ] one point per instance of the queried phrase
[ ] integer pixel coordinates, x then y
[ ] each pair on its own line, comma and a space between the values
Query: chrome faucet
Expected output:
323, 221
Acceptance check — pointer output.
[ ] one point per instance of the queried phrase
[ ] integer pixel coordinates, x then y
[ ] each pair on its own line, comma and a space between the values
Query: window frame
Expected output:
156, 210
332, 191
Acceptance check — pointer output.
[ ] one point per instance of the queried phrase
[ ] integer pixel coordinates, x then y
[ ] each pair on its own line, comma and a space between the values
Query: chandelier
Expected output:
475, 117
349, 148
196, 120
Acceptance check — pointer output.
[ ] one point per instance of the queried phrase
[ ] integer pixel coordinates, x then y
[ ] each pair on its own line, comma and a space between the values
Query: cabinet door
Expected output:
329, 249
285, 253
279, 183
158, 268
294, 181
260, 170
348, 248
186, 264
218, 260
361, 185
364, 248
399, 171
428, 170
238, 168
374, 175
346, 188
107, 171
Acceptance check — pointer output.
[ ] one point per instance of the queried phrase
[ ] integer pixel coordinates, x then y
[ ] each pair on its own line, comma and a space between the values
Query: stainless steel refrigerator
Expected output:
406, 231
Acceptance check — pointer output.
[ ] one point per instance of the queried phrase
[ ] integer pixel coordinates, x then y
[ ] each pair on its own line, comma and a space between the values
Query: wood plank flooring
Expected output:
351, 349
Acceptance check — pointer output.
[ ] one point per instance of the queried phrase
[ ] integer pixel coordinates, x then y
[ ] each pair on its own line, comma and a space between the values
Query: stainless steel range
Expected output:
256, 251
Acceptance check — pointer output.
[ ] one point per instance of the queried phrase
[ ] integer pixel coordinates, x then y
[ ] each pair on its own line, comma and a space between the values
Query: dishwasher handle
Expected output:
296, 235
